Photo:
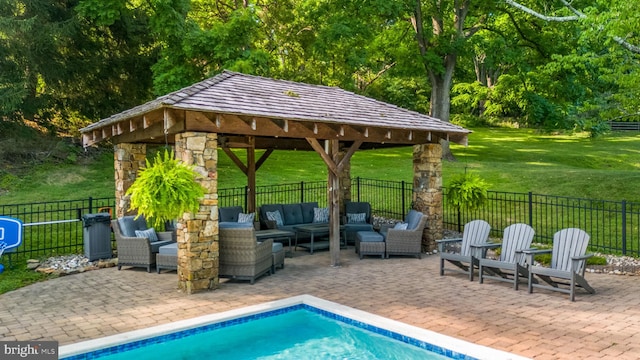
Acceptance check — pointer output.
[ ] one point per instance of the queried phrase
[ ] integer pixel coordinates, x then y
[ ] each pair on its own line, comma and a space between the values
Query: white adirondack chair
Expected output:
475, 232
568, 262
511, 263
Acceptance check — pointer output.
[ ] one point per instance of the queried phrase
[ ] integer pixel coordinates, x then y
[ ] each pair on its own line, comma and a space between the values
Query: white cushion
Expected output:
246, 218
275, 216
358, 218
401, 226
321, 215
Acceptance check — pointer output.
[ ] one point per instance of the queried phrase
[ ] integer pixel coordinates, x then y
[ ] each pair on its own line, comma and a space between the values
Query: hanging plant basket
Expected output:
165, 189
467, 191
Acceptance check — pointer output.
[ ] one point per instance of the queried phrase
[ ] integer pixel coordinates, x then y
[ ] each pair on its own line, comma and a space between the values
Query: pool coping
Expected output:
420, 334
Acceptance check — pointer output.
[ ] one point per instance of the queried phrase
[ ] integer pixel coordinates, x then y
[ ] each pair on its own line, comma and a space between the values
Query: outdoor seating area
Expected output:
516, 257
540, 325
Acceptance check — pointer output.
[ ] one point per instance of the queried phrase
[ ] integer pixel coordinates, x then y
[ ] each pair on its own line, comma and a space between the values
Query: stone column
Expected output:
198, 251
427, 191
127, 160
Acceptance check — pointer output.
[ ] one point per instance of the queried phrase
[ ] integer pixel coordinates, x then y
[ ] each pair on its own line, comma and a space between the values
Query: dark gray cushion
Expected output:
358, 207
127, 226
229, 213
292, 214
307, 211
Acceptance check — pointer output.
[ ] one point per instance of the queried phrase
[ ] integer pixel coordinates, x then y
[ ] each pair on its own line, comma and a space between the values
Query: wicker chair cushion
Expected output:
358, 218
129, 225
229, 213
413, 219
171, 249
149, 233
369, 236
234, 225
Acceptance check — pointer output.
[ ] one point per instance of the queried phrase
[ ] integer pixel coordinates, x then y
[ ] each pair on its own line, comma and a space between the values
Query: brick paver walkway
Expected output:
542, 325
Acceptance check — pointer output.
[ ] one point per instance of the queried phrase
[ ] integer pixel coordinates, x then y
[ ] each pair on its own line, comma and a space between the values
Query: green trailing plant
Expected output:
467, 191
165, 189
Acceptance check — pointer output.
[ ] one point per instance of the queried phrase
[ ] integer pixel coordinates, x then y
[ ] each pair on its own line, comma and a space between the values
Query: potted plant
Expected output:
467, 191
165, 189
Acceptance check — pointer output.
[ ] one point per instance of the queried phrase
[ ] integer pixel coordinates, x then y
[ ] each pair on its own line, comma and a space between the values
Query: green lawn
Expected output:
516, 160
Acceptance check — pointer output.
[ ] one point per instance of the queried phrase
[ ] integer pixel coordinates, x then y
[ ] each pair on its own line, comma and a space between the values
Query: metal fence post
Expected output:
624, 227
246, 196
301, 191
358, 187
530, 209
404, 204
90, 204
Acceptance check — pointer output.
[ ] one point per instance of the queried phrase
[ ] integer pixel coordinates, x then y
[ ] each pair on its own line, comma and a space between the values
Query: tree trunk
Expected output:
441, 100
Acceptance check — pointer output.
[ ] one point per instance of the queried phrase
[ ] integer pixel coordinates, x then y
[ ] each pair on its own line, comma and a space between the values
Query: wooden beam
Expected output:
334, 205
263, 158
236, 160
251, 175
347, 157
331, 165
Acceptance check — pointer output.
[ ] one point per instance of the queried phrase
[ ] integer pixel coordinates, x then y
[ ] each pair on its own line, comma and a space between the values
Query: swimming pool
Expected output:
214, 335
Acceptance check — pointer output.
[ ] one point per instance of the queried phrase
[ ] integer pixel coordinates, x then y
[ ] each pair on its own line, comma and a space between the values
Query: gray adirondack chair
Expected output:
475, 232
511, 263
568, 262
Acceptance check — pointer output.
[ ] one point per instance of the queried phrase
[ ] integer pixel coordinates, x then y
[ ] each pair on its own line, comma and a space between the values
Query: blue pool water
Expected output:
295, 332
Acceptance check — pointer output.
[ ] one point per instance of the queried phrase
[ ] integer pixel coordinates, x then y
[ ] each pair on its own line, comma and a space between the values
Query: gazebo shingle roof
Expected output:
245, 98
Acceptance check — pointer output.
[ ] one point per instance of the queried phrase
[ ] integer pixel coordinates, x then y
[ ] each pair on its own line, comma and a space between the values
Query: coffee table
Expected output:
276, 234
317, 230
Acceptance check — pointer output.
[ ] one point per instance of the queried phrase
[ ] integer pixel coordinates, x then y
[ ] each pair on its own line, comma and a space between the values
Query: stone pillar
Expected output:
427, 191
198, 251
127, 160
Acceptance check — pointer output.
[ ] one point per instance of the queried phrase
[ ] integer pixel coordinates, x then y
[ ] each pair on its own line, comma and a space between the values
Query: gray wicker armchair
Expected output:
406, 242
138, 251
241, 256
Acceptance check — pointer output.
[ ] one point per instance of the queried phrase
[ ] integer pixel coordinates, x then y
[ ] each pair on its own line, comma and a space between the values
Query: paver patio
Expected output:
542, 325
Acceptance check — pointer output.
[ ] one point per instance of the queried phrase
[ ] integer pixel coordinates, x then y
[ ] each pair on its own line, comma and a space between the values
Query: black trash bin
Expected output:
97, 236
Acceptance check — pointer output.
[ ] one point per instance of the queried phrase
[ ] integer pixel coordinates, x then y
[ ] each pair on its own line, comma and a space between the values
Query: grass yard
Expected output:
515, 160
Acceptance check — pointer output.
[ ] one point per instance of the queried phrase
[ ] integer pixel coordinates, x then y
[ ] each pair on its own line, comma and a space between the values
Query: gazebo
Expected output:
234, 110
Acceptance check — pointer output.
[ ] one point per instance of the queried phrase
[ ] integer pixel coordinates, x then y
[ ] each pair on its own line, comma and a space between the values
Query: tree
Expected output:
61, 67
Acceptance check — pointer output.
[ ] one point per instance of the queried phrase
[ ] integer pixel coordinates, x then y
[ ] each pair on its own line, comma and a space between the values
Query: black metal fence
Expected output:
54, 228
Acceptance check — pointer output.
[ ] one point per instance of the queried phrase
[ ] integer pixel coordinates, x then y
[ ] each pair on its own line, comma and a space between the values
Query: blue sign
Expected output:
10, 233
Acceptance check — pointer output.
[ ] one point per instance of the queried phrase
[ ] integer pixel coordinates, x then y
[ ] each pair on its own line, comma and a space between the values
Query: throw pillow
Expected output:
275, 216
358, 218
401, 226
246, 218
150, 234
321, 215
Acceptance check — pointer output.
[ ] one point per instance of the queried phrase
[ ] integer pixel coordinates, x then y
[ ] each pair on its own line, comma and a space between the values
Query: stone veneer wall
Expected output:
198, 251
127, 160
427, 191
